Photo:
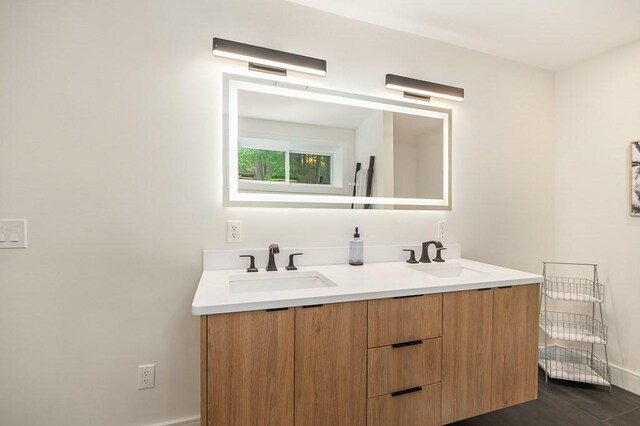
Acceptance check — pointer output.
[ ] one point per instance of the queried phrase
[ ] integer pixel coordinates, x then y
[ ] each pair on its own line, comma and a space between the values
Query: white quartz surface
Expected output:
370, 281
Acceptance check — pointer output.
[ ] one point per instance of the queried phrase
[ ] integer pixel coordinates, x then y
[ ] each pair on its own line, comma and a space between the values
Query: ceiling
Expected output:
550, 34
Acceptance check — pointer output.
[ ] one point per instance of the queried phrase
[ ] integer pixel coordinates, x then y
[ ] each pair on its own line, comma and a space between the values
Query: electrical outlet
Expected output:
442, 230
234, 231
146, 376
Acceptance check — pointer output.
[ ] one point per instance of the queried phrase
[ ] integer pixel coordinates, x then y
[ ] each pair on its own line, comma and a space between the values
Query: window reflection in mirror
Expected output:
310, 168
284, 166
261, 164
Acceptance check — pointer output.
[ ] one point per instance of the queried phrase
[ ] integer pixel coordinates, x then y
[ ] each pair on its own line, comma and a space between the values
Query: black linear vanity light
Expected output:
423, 90
268, 60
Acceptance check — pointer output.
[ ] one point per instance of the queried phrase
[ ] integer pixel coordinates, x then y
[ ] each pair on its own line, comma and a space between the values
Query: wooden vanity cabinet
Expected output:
515, 345
422, 360
467, 334
419, 406
304, 366
403, 319
489, 350
404, 361
331, 365
249, 376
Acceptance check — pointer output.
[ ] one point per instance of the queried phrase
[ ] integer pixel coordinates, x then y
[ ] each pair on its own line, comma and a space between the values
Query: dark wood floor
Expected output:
564, 403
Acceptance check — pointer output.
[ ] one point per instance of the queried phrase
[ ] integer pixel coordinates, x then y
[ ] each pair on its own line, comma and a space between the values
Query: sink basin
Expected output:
454, 272
276, 281
451, 271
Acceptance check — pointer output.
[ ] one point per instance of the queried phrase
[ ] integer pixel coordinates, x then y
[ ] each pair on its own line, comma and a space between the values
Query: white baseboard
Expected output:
625, 379
187, 421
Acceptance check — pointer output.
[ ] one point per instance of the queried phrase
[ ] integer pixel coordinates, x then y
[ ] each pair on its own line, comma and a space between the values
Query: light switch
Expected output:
13, 233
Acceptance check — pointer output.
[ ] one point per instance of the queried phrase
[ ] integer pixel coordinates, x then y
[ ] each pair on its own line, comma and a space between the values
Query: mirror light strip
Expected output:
268, 57
423, 88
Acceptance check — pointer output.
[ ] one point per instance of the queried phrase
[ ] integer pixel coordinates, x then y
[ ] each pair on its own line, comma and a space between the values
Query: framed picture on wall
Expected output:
635, 178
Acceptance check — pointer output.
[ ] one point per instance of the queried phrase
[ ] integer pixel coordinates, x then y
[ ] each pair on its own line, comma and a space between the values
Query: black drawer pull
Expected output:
403, 344
276, 309
406, 297
312, 306
506, 286
406, 391
483, 289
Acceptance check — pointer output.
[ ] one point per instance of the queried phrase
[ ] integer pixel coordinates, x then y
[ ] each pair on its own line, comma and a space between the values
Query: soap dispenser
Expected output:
356, 250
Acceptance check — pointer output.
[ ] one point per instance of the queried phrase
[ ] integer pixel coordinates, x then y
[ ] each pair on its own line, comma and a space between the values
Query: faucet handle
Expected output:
439, 254
252, 267
412, 256
291, 266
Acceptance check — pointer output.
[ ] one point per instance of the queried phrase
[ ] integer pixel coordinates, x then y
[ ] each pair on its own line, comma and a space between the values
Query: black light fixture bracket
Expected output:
423, 90
413, 96
265, 68
268, 60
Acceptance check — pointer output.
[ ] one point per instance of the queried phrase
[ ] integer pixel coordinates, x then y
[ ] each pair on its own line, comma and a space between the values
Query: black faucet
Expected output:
271, 265
424, 258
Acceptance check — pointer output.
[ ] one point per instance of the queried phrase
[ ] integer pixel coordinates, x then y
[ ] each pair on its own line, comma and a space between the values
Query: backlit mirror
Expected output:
300, 146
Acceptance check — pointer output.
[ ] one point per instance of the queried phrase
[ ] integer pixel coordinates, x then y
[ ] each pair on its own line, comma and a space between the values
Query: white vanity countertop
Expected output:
370, 281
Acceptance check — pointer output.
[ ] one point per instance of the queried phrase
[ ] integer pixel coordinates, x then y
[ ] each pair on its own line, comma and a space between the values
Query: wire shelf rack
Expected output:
573, 289
573, 327
574, 364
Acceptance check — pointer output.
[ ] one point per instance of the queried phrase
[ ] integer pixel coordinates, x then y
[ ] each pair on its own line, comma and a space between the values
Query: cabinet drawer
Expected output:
415, 407
403, 366
404, 319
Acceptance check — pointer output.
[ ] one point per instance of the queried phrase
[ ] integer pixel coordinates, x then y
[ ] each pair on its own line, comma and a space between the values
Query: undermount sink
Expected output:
453, 271
284, 281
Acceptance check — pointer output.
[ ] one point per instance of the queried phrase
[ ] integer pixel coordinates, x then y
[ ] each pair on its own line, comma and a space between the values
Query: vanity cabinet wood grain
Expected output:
402, 319
489, 350
425, 360
250, 374
418, 407
404, 366
515, 345
331, 365
467, 334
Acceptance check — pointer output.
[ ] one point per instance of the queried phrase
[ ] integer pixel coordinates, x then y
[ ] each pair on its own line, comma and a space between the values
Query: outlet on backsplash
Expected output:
234, 231
442, 230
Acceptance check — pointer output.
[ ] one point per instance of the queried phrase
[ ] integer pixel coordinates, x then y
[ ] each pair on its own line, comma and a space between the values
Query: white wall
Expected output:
598, 115
111, 147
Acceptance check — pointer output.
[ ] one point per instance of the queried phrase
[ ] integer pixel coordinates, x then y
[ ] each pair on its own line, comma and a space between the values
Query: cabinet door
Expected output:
330, 360
467, 318
250, 368
515, 345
